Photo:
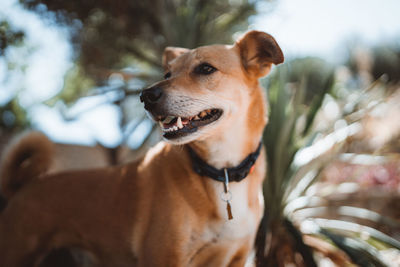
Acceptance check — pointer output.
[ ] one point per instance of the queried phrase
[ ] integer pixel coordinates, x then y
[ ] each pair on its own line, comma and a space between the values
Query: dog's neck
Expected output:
226, 150
230, 147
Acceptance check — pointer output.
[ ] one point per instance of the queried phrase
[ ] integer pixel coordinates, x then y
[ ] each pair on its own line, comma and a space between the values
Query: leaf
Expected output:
359, 252
317, 103
309, 161
301, 247
302, 203
368, 215
357, 228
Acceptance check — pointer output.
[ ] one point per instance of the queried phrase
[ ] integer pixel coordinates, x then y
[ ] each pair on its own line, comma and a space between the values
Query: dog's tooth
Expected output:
179, 123
203, 114
175, 128
196, 117
168, 129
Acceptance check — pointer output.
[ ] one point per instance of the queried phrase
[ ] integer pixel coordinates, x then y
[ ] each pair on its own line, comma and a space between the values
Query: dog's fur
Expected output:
156, 211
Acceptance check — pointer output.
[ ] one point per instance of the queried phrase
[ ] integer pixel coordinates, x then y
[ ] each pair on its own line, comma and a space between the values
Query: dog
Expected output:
194, 199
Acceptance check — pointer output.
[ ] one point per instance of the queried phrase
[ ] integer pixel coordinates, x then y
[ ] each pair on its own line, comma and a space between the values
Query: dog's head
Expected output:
207, 87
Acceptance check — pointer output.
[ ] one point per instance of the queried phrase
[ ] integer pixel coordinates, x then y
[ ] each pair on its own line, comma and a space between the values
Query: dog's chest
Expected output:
225, 237
245, 217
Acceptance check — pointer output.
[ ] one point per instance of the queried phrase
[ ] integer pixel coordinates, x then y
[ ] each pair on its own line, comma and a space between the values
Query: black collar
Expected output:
236, 174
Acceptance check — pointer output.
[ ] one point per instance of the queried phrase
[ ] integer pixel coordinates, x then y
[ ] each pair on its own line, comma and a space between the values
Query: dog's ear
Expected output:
171, 53
258, 51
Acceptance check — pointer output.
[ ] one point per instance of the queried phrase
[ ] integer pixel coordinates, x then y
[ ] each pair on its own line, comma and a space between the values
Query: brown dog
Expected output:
162, 210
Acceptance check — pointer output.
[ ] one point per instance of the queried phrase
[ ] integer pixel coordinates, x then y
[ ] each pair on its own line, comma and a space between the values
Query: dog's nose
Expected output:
151, 95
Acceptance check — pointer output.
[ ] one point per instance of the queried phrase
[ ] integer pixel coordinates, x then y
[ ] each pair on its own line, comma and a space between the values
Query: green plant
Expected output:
297, 152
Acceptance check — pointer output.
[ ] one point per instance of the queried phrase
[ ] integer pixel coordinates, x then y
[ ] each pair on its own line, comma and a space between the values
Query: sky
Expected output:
301, 27
323, 27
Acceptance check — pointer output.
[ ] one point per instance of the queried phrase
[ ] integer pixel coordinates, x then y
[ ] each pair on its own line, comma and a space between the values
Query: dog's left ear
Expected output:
170, 53
258, 51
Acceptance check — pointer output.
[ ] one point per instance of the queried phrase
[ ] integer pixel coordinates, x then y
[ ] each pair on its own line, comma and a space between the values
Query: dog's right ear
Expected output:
170, 53
258, 51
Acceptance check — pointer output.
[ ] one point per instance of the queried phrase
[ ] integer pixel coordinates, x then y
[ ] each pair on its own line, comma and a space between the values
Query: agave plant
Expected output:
294, 228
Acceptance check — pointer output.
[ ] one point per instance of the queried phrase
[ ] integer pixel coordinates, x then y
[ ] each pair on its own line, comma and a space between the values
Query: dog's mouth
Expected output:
175, 127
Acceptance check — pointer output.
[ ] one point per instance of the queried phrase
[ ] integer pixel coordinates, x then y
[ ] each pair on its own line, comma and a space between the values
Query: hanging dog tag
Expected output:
229, 210
228, 194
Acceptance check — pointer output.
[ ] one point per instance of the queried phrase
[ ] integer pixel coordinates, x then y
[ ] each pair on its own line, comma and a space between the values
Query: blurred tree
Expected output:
9, 36
381, 60
386, 61
12, 115
112, 35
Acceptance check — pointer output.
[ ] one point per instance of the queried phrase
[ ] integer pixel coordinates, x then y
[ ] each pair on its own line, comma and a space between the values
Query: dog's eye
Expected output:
204, 69
167, 75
